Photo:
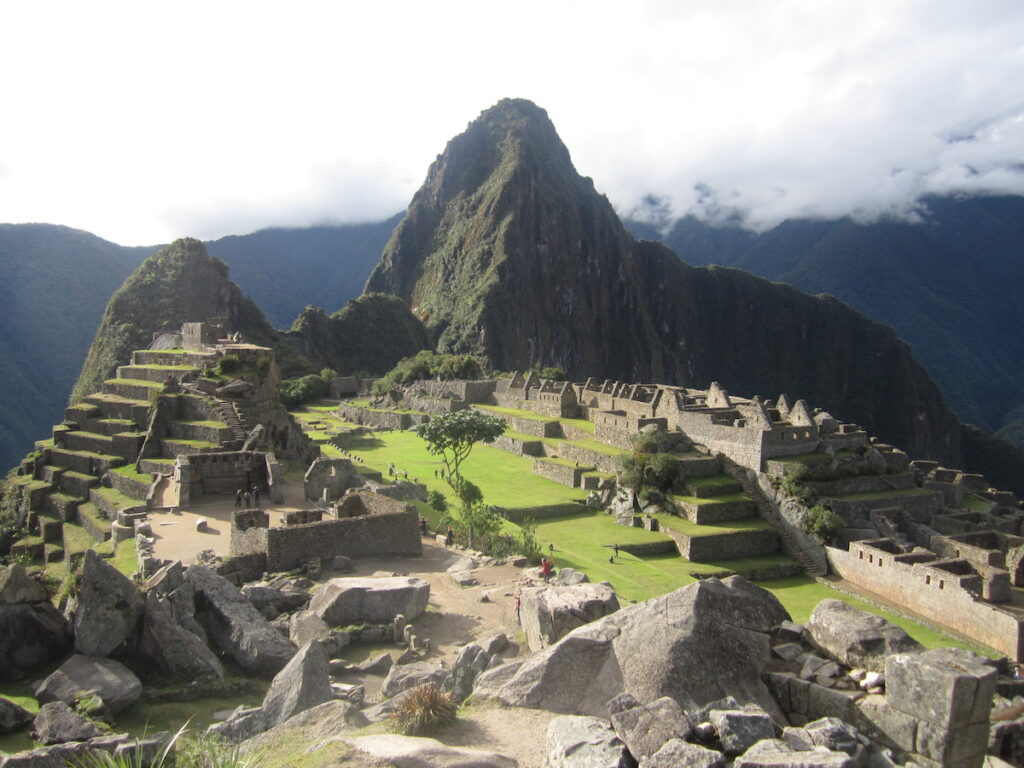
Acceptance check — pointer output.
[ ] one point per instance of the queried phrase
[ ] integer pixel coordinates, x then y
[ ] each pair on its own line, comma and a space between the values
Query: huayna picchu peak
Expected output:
507, 252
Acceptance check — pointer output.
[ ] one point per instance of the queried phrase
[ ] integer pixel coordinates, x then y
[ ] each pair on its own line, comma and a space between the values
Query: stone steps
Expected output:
47, 526
76, 483
50, 473
791, 546
108, 427
62, 505
80, 412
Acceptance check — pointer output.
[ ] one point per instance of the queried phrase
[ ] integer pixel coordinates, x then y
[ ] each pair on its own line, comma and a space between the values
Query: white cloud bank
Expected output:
142, 123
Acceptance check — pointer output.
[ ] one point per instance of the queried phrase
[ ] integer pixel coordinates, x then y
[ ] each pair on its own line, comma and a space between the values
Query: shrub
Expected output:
822, 522
295, 392
425, 709
551, 372
437, 502
428, 365
229, 364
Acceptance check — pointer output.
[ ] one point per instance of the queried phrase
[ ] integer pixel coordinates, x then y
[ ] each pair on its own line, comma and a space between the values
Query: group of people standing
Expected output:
250, 498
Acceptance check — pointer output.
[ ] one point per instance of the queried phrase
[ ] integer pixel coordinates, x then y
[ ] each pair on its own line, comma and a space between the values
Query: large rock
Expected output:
355, 600
697, 644
676, 753
31, 634
775, 753
584, 742
857, 638
12, 716
402, 677
16, 586
235, 626
469, 663
306, 626
244, 723
57, 723
738, 729
313, 727
417, 752
111, 680
109, 608
548, 614
176, 651
276, 597
166, 579
304, 683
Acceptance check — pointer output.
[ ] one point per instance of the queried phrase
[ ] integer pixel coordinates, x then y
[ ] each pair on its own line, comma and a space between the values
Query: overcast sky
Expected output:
142, 122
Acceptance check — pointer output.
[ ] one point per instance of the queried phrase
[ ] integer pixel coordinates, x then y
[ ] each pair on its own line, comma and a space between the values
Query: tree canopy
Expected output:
453, 435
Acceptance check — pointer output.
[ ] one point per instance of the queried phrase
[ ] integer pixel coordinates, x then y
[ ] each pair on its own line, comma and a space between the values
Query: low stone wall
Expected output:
913, 587
666, 547
725, 546
596, 459
533, 427
862, 484
129, 486
611, 435
374, 535
223, 472
742, 445
710, 512
519, 514
466, 390
332, 475
519, 447
560, 473
380, 419
572, 432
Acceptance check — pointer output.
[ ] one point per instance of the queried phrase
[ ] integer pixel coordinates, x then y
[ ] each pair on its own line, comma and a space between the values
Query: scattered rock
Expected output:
166, 579
418, 752
550, 613
57, 723
342, 564
235, 626
644, 729
376, 665
144, 752
244, 723
583, 742
177, 652
495, 643
462, 564
306, 626
12, 716
470, 661
775, 753
111, 680
465, 579
568, 577
696, 644
739, 729
304, 683
109, 608
353, 600
857, 638
311, 727
17, 587
676, 753
402, 677
281, 596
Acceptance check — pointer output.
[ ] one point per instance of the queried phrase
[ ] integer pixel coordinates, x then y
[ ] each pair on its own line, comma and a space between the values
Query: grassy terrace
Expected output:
683, 525
128, 470
364, 403
584, 540
115, 498
564, 463
714, 481
137, 382
724, 498
977, 504
594, 445
514, 412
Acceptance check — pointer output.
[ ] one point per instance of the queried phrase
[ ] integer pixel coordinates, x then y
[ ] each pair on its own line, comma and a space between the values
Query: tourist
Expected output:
449, 537
616, 548
238, 498
256, 496
423, 526
248, 499
545, 569
519, 602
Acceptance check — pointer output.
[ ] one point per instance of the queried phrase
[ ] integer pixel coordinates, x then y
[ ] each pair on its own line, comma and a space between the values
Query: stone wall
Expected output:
857, 512
380, 419
744, 446
726, 546
335, 476
560, 473
908, 584
224, 473
373, 535
601, 461
519, 447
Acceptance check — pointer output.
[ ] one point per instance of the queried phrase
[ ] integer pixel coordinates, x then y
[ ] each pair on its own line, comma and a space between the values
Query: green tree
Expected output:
452, 437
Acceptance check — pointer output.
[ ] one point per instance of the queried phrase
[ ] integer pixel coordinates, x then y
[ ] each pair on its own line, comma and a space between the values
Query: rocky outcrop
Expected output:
31, 634
697, 644
548, 614
583, 742
304, 683
367, 600
235, 626
80, 676
57, 723
176, 652
109, 608
857, 638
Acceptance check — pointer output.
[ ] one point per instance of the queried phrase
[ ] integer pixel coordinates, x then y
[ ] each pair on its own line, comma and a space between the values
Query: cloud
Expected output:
143, 125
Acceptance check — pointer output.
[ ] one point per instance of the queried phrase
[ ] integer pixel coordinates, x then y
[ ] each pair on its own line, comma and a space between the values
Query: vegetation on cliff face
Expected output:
946, 283
507, 252
368, 336
180, 283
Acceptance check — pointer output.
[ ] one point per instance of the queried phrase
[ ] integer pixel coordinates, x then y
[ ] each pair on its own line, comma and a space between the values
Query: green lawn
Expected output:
683, 525
531, 415
505, 479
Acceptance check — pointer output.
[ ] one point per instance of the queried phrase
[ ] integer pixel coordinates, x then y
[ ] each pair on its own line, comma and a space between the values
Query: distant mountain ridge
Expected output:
948, 285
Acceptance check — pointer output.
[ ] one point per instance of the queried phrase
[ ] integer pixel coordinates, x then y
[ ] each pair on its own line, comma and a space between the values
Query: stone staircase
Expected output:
765, 509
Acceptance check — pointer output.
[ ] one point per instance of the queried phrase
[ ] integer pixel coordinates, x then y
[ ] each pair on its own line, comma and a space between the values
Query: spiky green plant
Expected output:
426, 709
